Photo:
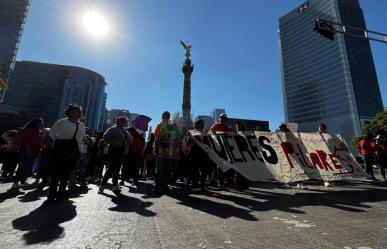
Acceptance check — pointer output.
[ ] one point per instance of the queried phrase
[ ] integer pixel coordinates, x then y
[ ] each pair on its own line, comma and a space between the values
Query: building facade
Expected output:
208, 121
45, 90
13, 14
250, 125
216, 113
333, 82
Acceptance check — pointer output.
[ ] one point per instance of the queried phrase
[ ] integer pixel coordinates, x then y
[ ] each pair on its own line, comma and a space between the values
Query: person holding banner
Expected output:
368, 150
322, 128
381, 155
200, 160
221, 127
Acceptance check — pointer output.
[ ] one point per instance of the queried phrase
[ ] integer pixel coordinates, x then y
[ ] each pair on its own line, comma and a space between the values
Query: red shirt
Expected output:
32, 141
138, 144
221, 127
367, 147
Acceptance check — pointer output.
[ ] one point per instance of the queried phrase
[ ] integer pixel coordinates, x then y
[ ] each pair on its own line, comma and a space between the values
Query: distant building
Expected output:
216, 113
45, 90
13, 14
333, 82
113, 114
208, 121
251, 125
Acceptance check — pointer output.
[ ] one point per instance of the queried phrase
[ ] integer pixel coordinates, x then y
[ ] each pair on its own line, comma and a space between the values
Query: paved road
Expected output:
347, 215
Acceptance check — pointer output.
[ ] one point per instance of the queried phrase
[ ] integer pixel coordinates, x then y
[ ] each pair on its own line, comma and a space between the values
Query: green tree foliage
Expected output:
376, 127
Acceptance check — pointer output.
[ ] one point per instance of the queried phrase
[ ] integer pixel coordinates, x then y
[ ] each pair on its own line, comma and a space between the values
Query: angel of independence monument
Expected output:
187, 70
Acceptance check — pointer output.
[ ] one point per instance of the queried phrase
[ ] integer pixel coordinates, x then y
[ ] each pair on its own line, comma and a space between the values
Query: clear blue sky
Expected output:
235, 51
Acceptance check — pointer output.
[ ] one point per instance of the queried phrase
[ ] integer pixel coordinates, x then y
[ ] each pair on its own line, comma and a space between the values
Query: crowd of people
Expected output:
66, 155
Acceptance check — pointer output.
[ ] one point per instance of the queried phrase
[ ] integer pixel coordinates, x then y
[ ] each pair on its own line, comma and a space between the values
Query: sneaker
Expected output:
101, 188
15, 186
116, 189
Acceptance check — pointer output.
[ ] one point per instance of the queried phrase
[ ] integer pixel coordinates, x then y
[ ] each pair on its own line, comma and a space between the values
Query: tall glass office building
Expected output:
333, 82
13, 15
45, 90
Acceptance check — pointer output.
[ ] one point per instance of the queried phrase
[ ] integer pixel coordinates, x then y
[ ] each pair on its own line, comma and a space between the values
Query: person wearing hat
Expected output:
381, 155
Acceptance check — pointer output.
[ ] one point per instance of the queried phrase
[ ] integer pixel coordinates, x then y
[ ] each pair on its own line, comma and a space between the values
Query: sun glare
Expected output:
95, 24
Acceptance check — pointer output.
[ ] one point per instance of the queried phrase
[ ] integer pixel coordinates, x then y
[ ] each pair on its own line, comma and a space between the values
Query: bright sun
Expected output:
95, 24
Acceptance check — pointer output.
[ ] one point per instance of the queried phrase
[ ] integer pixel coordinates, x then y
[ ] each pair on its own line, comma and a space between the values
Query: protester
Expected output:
80, 171
168, 151
199, 161
322, 128
283, 128
149, 158
102, 159
136, 154
67, 134
45, 167
221, 127
119, 141
93, 160
381, 155
30, 147
368, 150
12, 141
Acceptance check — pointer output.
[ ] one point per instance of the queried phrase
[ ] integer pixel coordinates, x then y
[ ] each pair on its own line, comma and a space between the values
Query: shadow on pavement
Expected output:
222, 210
42, 224
130, 204
11, 193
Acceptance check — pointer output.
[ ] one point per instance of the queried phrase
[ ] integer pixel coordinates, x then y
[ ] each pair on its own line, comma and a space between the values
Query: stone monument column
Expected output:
187, 71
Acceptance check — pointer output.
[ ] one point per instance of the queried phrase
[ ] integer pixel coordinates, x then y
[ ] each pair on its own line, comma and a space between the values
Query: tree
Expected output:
378, 126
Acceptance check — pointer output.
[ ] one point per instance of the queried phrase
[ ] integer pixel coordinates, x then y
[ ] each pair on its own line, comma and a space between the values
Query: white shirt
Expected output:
65, 129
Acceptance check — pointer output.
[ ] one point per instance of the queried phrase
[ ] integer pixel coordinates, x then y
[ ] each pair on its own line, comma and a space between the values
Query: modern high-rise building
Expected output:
13, 14
216, 113
327, 81
45, 90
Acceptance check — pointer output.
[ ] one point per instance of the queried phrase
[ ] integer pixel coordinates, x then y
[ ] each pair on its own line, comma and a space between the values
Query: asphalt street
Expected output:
350, 214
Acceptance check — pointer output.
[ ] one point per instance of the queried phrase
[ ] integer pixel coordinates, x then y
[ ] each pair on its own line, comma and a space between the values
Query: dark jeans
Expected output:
136, 163
383, 167
116, 158
25, 168
65, 156
164, 168
10, 162
369, 161
200, 170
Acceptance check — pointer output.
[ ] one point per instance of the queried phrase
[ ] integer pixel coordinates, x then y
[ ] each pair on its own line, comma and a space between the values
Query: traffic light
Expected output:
324, 29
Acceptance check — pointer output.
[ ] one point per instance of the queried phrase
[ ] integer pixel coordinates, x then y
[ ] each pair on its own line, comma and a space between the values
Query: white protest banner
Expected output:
283, 156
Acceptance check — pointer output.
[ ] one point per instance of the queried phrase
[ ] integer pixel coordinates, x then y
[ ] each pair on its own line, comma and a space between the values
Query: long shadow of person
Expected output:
34, 195
130, 204
11, 193
221, 210
42, 224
